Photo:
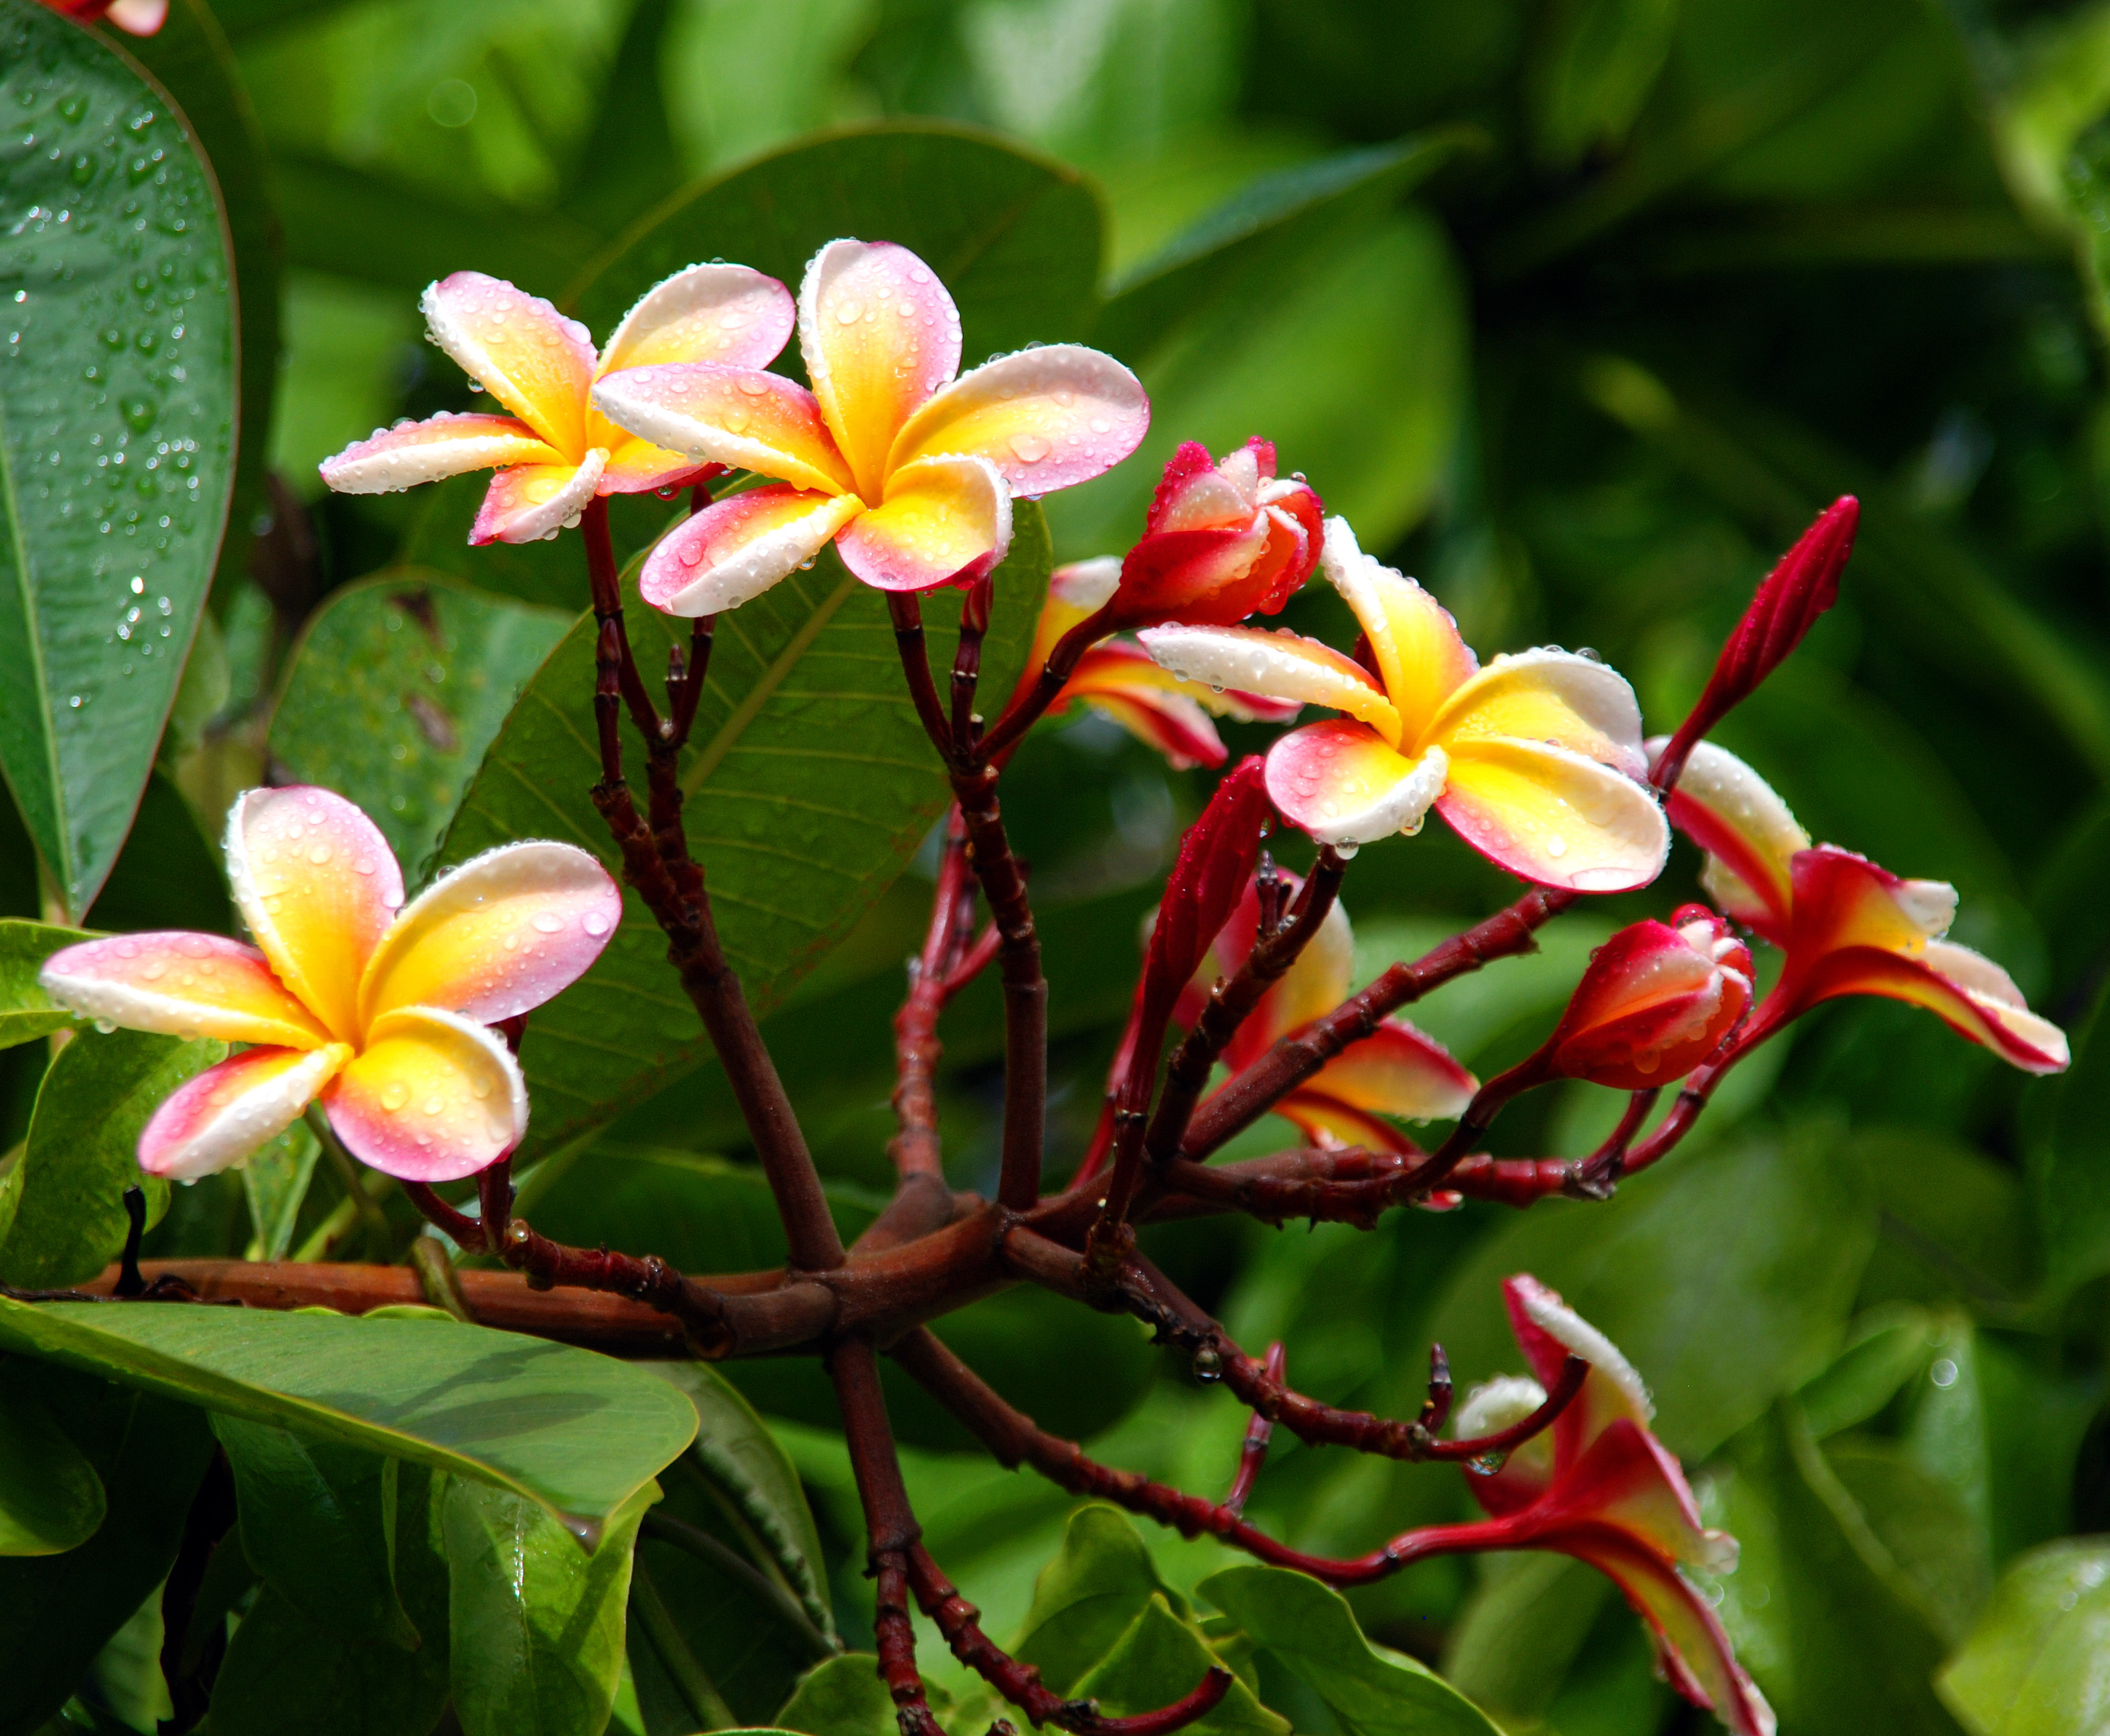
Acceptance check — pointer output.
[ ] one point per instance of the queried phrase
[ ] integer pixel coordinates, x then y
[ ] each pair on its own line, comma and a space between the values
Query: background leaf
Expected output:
2032, 1664
26, 1011
51, 1499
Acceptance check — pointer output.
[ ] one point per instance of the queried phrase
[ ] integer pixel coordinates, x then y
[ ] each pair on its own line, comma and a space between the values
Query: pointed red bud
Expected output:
1656, 1000
1216, 861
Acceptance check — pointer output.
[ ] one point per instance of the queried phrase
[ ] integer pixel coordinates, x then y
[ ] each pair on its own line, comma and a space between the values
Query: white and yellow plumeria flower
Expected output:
1535, 761
379, 1010
910, 471
556, 452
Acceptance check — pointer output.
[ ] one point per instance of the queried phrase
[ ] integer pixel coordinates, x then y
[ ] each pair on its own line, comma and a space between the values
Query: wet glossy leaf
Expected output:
1924, 1522
810, 785
578, 1433
1887, 1347
1519, 1637
51, 1499
121, 368
26, 1011
2033, 1665
62, 1206
396, 687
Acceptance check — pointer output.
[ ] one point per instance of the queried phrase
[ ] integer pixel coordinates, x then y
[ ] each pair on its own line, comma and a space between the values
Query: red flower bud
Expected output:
1656, 1000
1216, 861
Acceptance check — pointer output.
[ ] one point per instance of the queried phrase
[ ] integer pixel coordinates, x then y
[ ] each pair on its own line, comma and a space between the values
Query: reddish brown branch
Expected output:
917, 1050
1252, 1454
908, 640
967, 666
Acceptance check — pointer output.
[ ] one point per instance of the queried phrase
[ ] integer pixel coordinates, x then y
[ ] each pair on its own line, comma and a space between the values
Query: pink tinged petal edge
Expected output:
1396, 1070
739, 417
1623, 851
446, 445
531, 502
1549, 1332
638, 467
498, 936
1171, 723
318, 886
1278, 665
1047, 418
1751, 836
518, 348
1329, 1123
1599, 697
216, 1119
181, 985
733, 315
732, 551
944, 521
391, 1124
1306, 781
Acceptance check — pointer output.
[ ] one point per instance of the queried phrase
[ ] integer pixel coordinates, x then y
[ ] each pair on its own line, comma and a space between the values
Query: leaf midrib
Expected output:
773, 677
62, 871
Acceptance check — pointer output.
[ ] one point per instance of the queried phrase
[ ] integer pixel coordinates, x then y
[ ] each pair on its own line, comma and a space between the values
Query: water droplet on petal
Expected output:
1030, 448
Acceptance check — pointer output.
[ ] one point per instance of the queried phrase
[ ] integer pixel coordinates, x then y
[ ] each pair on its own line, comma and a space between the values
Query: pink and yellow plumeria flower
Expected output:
1600, 1486
379, 1010
1535, 761
1120, 681
908, 470
555, 452
1396, 1071
1846, 926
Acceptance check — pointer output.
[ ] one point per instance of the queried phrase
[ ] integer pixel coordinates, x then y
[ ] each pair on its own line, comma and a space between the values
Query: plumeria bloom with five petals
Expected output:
556, 452
1119, 680
1535, 761
379, 1010
1394, 1071
1844, 925
910, 471
1600, 1486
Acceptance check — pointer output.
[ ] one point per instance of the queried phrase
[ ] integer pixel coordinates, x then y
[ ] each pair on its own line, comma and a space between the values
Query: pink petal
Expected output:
181, 985
441, 446
432, 1097
739, 417
215, 1120
944, 521
735, 549
531, 502
519, 349
1047, 418
732, 314
1341, 783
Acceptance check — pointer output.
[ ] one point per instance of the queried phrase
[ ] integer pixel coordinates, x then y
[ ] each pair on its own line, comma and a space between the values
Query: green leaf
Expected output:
1726, 1275
1161, 1657
1310, 1629
844, 1697
2033, 1666
51, 1499
1924, 1521
394, 690
1592, 68
577, 1432
26, 1011
62, 1206
2071, 1179
274, 1181
810, 785
537, 1626
1888, 1347
1518, 1639
121, 347
1089, 1596
544, 571
315, 1526
149, 1455
1015, 237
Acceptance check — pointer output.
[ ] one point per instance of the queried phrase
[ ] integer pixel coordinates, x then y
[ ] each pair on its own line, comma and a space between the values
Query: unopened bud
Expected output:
1657, 999
1216, 864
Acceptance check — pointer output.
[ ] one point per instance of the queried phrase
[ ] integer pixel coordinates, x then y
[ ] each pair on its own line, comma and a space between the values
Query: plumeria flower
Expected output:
1394, 1072
378, 1009
1535, 760
910, 471
1600, 1486
556, 452
1119, 680
1846, 926
1656, 1000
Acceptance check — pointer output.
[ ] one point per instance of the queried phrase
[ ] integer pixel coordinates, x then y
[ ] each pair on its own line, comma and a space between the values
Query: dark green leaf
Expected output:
396, 687
274, 1181
844, 1697
149, 1454
51, 1499
1089, 1596
2033, 1666
2072, 1178
1518, 1640
62, 1206
1592, 69
25, 1010
316, 1524
1938, 1543
1309, 1628
122, 340
1888, 1347
810, 785
576, 1432
537, 1626
1158, 1658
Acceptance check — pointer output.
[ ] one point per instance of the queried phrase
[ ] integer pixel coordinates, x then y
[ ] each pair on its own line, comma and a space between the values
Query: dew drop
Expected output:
595, 924
754, 385
548, 922
320, 855
849, 313
1030, 448
394, 1095
106, 1025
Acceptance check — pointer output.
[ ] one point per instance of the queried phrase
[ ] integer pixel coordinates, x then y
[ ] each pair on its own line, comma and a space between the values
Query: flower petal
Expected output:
1341, 783
2012, 1031
1315, 983
1552, 696
1419, 655
1398, 1071
433, 1097
732, 315
1749, 836
1170, 723
1549, 1332
215, 1119
1047, 418
530, 502
1278, 665
944, 520
739, 417
318, 886
519, 349
880, 334
1075, 593
636, 466
181, 985
737, 548
1843, 899
497, 936
428, 451
1326, 1121
1552, 815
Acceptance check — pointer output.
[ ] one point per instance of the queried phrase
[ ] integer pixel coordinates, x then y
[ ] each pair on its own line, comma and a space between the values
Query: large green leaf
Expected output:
577, 1432
2033, 1666
537, 1626
1309, 1628
1089, 1596
62, 1206
26, 1011
51, 1499
1161, 1656
810, 785
149, 1454
845, 1697
396, 687
116, 433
